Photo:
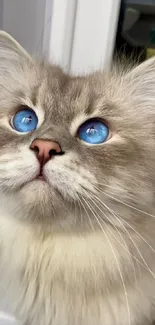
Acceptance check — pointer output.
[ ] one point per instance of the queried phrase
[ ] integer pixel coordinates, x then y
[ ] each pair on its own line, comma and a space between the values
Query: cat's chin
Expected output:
37, 189
38, 197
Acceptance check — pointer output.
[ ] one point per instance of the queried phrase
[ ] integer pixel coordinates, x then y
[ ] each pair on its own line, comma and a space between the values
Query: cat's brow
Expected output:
89, 109
34, 96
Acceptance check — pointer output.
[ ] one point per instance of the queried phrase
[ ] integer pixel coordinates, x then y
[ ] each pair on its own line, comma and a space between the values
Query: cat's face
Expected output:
84, 177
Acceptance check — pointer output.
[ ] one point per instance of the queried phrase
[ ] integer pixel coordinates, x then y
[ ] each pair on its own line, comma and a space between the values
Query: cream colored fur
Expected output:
80, 248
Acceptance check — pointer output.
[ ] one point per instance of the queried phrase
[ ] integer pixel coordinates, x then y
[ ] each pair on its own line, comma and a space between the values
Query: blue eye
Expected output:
25, 120
93, 131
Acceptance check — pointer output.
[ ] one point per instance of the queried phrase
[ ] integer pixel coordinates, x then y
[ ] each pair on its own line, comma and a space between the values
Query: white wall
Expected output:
25, 20
1, 14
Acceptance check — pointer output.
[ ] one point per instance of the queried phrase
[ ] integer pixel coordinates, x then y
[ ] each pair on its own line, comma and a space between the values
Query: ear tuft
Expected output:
10, 49
141, 81
144, 72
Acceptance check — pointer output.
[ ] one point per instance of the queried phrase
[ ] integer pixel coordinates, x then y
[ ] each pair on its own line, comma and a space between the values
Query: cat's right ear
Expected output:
142, 77
11, 52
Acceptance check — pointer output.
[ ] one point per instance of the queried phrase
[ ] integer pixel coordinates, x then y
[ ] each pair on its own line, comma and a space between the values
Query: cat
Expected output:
77, 192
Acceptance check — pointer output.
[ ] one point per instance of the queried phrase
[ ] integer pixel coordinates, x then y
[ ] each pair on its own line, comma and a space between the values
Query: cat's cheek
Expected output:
14, 181
17, 168
61, 180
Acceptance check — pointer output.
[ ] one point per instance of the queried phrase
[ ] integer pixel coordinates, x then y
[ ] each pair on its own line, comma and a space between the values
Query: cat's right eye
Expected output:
25, 120
93, 131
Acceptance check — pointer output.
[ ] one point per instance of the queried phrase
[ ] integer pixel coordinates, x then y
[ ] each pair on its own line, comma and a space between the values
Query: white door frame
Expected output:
82, 33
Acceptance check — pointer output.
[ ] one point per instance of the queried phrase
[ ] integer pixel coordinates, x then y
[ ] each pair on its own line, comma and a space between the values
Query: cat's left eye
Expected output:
93, 131
25, 120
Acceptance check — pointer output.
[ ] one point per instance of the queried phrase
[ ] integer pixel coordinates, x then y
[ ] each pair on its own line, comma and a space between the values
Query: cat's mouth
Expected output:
41, 176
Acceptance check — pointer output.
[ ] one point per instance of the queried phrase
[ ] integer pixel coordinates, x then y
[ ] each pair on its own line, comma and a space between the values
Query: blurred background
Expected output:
81, 35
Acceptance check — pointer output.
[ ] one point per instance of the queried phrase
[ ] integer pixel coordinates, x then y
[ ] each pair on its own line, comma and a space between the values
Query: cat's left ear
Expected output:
11, 51
142, 77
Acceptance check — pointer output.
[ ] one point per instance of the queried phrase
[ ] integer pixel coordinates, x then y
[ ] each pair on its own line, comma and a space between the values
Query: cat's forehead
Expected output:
61, 94
62, 89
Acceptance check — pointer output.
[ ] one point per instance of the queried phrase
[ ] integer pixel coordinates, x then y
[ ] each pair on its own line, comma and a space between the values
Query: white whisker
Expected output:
147, 266
126, 204
118, 266
139, 235
110, 221
81, 215
86, 213
126, 247
124, 221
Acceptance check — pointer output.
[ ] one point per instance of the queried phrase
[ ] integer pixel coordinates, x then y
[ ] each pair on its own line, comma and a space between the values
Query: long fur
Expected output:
79, 248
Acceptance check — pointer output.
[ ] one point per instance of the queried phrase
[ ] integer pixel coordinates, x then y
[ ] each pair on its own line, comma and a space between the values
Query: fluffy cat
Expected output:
77, 223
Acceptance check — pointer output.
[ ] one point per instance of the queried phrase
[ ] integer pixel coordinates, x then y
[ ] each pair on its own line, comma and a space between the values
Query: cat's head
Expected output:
75, 146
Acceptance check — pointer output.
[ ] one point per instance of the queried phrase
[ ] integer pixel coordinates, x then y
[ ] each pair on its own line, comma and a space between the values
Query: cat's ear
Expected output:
11, 52
142, 77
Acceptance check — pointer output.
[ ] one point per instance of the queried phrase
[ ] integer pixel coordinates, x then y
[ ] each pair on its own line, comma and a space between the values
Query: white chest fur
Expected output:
70, 280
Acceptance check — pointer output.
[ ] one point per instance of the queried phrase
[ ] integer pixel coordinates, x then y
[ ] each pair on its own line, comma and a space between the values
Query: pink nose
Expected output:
45, 149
